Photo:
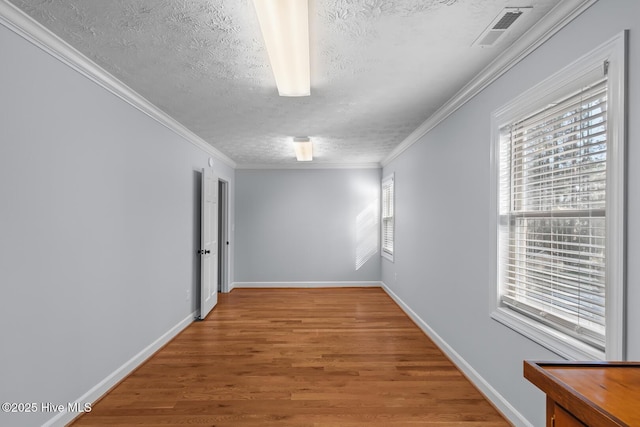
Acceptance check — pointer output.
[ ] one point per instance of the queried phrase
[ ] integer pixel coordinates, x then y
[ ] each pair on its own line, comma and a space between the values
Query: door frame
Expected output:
223, 235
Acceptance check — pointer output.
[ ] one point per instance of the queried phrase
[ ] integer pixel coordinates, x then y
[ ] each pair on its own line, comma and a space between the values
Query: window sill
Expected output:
387, 255
563, 345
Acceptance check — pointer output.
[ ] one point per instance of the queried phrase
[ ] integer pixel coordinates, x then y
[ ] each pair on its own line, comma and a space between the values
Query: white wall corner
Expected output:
498, 401
96, 392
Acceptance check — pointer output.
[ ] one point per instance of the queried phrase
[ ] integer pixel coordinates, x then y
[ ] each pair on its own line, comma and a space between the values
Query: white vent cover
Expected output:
500, 25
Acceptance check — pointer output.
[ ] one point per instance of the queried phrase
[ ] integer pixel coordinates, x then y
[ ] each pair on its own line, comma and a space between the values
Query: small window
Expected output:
559, 173
387, 217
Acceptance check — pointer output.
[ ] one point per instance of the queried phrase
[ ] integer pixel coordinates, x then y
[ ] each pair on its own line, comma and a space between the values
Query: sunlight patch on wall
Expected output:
367, 229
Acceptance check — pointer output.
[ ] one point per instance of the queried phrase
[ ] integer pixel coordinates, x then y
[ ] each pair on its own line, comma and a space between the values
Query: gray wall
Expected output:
442, 214
301, 225
98, 230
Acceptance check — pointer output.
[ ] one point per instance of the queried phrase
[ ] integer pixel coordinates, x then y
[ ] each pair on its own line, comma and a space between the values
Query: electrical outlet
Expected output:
188, 294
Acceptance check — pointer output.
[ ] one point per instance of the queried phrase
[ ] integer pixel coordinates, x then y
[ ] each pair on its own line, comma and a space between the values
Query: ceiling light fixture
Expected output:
303, 149
285, 29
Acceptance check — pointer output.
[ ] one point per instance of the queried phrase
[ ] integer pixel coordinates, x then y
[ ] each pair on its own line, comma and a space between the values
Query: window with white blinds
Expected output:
552, 214
387, 216
558, 157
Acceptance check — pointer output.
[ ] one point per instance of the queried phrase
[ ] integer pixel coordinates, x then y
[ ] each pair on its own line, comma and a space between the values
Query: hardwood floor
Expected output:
297, 357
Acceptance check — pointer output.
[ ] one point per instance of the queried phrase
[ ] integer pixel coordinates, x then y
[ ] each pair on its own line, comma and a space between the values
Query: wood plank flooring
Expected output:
297, 357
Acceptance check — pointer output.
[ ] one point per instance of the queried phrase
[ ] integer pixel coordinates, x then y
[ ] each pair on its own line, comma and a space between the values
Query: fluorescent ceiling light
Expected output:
285, 29
303, 148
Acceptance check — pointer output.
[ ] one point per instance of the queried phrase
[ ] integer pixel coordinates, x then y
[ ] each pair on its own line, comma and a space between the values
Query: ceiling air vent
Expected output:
500, 25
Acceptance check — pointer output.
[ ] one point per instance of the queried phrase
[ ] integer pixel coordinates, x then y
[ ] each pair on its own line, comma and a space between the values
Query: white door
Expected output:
209, 243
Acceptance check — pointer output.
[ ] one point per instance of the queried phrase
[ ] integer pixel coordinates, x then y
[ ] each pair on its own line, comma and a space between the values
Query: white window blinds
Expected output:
387, 215
552, 204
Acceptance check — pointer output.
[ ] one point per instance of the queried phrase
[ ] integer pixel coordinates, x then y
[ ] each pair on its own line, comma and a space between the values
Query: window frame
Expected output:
612, 57
385, 252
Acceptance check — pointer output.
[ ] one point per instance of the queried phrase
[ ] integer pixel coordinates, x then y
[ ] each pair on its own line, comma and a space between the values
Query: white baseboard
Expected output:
97, 391
266, 285
502, 404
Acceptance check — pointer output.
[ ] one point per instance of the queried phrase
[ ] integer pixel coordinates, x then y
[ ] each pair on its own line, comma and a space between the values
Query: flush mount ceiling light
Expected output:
303, 149
285, 29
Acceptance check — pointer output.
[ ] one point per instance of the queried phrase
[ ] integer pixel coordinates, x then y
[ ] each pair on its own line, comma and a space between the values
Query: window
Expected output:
559, 176
387, 217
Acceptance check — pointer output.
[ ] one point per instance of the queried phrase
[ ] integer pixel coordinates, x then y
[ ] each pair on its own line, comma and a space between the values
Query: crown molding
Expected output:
305, 165
561, 15
34, 32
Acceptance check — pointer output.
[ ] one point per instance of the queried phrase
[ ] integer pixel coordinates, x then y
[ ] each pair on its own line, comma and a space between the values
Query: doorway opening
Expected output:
223, 235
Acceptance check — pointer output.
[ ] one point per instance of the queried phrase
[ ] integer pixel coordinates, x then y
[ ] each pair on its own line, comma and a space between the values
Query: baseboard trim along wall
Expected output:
266, 285
97, 391
483, 385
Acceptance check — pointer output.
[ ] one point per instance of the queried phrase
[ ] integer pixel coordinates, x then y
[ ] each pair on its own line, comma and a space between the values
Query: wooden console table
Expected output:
593, 394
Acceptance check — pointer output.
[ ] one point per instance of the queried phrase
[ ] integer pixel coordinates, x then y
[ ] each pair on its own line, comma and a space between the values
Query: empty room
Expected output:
320, 213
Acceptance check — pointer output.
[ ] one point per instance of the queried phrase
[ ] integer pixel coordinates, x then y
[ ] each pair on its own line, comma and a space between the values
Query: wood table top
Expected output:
604, 393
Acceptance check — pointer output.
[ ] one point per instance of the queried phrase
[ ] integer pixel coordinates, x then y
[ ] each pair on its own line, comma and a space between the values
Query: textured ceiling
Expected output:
379, 67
